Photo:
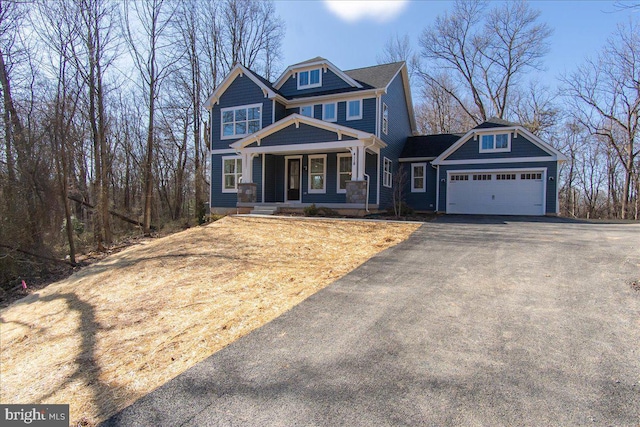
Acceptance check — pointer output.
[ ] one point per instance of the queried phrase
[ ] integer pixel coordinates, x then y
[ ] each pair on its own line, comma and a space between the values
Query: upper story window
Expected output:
354, 109
307, 110
385, 119
310, 78
237, 122
499, 142
330, 112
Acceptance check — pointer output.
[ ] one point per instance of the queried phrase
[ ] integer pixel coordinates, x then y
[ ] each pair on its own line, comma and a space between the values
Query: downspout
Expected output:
366, 202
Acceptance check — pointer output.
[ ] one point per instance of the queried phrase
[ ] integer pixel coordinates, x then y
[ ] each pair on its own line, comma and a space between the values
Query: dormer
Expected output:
315, 76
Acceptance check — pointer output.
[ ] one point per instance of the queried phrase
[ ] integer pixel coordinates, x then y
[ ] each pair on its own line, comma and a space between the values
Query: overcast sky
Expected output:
352, 33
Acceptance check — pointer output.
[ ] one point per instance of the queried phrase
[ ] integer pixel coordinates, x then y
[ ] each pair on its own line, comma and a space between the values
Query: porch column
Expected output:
361, 158
247, 167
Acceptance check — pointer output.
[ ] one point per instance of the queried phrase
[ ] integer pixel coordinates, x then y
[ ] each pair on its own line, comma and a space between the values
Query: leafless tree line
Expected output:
474, 62
103, 125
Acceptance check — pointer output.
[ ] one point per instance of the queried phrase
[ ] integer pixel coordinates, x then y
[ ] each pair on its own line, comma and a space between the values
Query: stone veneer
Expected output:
247, 192
356, 191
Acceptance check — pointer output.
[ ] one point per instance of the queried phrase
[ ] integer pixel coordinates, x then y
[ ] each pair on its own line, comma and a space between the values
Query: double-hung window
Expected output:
237, 122
499, 142
330, 112
344, 172
231, 173
309, 79
385, 119
418, 177
354, 109
317, 173
307, 110
387, 176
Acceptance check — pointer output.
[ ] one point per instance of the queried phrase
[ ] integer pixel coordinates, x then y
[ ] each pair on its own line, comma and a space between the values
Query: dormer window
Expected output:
309, 79
495, 143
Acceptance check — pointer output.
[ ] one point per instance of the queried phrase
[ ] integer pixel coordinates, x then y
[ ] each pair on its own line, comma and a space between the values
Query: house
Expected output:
320, 135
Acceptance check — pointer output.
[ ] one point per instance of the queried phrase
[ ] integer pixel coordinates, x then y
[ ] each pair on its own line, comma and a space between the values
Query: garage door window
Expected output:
505, 176
459, 178
531, 176
482, 177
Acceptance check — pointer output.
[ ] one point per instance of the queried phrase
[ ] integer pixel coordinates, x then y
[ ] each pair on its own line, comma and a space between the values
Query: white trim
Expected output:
507, 149
424, 178
324, 173
415, 159
305, 106
238, 70
338, 157
323, 63
239, 107
309, 85
378, 103
543, 170
297, 119
238, 176
384, 172
223, 151
358, 117
378, 181
385, 107
336, 97
310, 147
263, 174
490, 160
273, 111
335, 112
286, 178
555, 155
437, 188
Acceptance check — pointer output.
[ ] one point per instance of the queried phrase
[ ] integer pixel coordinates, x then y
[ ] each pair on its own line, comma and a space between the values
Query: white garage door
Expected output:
506, 192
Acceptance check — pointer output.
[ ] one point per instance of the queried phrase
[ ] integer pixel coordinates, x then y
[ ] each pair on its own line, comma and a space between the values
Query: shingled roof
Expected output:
377, 76
494, 122
428, 145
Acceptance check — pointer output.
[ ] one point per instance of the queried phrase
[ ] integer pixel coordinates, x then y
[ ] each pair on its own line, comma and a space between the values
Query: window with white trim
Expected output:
231, 174
317, 173
309, 79
387, 176
237, 122
330, 112
385, 119
354, 109
344, 172
307, 110
418, 177
498, 142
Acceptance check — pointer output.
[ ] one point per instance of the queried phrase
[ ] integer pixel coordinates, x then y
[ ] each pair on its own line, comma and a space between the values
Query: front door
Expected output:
293, 180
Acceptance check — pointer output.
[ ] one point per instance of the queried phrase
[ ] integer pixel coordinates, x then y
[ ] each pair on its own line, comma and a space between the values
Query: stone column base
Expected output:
356, 192
247, 192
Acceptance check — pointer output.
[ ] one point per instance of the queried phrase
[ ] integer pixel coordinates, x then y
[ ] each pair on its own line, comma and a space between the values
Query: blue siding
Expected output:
425, 201
552, 171
330, 81
302, 135
399, 130
281, 111
229, 200
241, 92
368, 121
371, 169
520, 147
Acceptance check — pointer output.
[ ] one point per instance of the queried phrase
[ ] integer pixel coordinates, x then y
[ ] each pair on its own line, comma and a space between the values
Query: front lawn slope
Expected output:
120, 328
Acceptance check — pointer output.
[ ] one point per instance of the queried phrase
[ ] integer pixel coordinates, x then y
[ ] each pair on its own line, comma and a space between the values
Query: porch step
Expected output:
264, 210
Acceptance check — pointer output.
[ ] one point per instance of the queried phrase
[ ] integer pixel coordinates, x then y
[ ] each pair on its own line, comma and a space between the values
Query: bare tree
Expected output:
605, 96
484, 52
153, 55
536, 110
398, 49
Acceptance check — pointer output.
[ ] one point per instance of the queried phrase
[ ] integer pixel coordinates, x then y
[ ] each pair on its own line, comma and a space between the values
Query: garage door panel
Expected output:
515, 193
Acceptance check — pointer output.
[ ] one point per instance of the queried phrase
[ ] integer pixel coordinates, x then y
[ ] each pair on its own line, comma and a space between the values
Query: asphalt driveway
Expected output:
472, 321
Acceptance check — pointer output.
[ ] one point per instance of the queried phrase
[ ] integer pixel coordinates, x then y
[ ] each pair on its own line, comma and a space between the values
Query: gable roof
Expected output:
428, 146
490, 126
311, 63
297, 119
376, 76
238, 70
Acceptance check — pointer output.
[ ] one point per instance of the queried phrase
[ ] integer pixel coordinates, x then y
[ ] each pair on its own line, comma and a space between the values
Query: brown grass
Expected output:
120, 328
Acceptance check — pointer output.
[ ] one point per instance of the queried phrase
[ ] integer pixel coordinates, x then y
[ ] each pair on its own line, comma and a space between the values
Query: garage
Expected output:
496, 192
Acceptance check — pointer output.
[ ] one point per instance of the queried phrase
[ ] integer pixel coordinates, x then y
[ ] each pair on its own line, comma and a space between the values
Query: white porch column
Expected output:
354, 163
247, 167
361, 158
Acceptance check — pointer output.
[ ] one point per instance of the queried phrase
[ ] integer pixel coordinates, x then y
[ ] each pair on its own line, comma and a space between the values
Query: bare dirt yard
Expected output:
120, 328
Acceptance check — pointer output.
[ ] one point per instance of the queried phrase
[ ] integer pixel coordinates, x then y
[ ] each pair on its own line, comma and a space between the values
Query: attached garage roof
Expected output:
428, 145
